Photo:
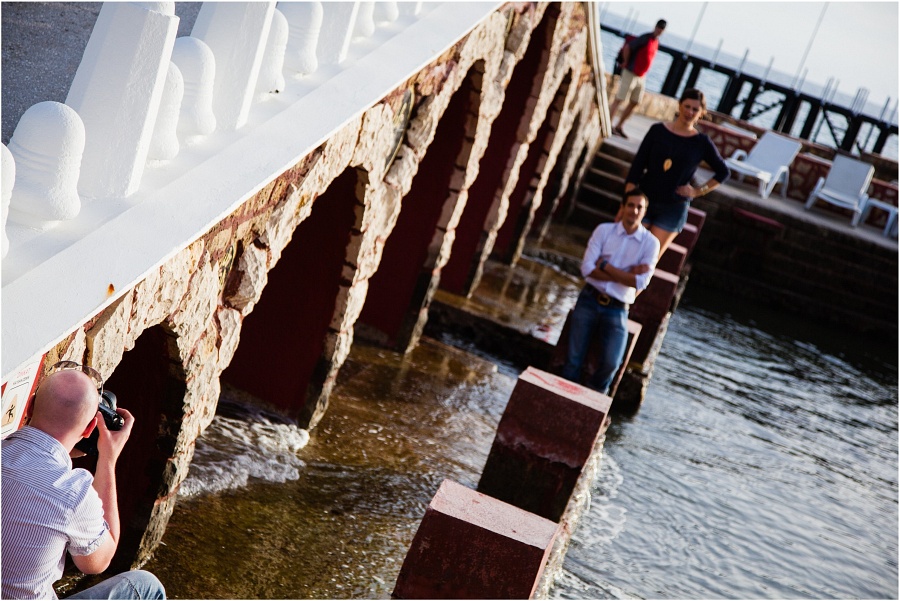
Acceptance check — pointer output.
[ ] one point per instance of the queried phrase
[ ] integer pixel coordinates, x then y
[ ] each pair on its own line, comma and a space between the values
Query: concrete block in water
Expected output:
672, 261
543, 441
649, 310
688, 237
471, 546
696, 217
558, 359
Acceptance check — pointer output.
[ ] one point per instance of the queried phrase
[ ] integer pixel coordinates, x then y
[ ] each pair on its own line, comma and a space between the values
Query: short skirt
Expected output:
667, 215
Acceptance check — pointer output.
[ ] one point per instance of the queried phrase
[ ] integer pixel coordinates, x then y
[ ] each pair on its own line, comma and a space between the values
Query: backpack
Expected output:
617, 70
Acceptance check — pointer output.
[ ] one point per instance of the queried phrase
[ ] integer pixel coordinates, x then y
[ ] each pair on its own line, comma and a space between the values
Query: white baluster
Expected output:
198, 69
365, 24
409, 9
164, 145
47, 146
117, 91
271, 74
236, 32
7, 180
338, 24
304, 22
386, 12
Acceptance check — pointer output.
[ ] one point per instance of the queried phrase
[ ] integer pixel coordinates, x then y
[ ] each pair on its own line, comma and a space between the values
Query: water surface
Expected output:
763, 465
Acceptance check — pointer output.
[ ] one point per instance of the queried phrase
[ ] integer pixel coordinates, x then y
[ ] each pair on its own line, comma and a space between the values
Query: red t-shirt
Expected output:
639, 61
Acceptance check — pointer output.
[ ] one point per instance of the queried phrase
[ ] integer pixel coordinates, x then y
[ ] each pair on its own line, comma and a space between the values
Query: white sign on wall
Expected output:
17, 393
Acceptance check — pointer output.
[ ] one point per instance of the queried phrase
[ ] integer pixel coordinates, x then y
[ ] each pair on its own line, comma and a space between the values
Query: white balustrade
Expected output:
198, 70
409, 9
164, 145
117, 91
304, 23
47, 146
7, 181
365, 23
338, 25
386, 12
271, 74
236, 32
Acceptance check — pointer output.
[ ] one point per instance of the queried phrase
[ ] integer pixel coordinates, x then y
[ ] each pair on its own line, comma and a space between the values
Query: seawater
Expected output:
763, 464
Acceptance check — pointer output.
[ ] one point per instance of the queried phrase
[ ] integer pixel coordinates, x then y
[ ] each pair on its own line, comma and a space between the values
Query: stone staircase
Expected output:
601, 189
771, 252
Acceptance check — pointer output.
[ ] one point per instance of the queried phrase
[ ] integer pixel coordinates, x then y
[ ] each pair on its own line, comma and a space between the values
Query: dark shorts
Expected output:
670, 216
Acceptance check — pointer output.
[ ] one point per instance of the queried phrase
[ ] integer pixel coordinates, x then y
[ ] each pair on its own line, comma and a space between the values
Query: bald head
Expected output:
64, 405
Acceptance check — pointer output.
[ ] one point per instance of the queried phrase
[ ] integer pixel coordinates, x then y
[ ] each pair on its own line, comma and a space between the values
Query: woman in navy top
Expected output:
665, 164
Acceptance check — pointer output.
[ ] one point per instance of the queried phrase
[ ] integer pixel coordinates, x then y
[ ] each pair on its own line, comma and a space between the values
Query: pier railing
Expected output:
798, 113
181, 131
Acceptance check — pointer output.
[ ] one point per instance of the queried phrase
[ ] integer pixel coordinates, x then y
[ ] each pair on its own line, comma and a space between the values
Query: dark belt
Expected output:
604, 299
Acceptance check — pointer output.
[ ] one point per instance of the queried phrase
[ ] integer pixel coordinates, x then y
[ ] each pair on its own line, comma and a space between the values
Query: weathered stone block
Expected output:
696, 217
470, 546
688, 237
544, 439
591, 360
106, 339
656, 300
673, 259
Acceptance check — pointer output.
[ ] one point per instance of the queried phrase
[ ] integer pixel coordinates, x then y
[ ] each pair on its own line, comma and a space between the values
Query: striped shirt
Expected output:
622, 250
47, 507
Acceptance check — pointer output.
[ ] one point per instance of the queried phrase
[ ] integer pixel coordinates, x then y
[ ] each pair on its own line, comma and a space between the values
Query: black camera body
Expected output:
113, 420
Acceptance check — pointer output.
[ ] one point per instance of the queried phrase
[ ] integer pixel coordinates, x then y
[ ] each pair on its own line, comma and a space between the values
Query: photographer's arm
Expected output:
109, 446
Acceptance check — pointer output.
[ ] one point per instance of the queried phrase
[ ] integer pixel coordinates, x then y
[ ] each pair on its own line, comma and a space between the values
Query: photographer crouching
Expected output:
49, 508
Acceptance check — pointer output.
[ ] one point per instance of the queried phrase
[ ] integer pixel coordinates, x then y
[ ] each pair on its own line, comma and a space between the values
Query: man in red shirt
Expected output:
636, 58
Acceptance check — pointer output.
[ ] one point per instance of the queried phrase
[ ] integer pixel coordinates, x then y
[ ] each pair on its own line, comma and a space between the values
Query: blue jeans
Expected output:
610, 327
136, 584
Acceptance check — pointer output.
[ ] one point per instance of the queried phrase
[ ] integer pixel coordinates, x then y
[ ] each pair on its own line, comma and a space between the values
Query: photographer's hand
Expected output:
109, 446
111, 442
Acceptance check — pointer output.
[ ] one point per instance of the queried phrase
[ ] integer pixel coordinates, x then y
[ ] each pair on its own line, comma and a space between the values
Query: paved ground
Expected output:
42, 46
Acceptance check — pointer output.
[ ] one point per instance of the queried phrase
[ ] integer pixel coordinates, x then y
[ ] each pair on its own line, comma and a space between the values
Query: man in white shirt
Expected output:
49, 508
618, 262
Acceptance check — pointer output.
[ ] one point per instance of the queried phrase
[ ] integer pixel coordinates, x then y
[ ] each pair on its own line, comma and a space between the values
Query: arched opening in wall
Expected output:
280, 359
566, 205
520, 214
400, 291
150, 383
557, 184
460, 274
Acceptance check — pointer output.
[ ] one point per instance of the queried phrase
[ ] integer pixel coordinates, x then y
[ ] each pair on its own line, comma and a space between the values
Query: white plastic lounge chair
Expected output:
767, 162
844, 186
890, 227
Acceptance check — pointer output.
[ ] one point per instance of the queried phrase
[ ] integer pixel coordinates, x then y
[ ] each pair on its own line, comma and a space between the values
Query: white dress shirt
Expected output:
622, 250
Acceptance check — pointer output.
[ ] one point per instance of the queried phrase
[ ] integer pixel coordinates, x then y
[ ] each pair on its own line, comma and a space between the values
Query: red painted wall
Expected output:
283, 338
143, 385
518, 106
399, 288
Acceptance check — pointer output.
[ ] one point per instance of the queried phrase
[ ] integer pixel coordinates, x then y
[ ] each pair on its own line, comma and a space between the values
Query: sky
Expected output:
856, 42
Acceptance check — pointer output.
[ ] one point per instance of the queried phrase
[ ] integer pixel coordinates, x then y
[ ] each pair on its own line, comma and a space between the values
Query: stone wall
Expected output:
201, 295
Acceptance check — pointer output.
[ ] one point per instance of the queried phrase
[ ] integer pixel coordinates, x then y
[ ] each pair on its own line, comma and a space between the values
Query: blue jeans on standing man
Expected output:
609, 325
136, 584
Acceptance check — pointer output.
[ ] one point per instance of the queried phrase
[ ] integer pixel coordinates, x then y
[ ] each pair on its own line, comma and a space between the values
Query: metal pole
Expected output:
712, 63
812, 38
740, 68
887, 103
696, 27
765, 76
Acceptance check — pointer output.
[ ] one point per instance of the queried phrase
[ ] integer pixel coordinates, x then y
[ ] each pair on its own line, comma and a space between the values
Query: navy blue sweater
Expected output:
685, 153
